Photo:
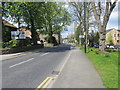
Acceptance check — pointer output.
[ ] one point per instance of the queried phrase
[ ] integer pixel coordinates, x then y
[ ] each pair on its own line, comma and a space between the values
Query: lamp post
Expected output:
85, 26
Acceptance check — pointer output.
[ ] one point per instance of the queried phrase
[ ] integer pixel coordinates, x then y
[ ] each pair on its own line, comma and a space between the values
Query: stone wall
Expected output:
21, 49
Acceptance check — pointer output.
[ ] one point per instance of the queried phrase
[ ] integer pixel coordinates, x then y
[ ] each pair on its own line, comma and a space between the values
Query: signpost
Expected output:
85, 25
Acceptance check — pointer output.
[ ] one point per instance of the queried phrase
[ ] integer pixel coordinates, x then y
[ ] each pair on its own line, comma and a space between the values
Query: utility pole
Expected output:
85, 26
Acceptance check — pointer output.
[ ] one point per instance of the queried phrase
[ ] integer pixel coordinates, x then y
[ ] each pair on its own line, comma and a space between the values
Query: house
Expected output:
6, 30
27, 31
113, 36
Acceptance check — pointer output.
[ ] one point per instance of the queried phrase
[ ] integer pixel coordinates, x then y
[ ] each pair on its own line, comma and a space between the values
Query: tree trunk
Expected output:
102, 40
59, 38
34, 37
50, 33
18, 22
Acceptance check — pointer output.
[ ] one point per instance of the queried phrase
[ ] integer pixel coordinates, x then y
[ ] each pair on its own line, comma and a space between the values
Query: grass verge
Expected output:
106, 65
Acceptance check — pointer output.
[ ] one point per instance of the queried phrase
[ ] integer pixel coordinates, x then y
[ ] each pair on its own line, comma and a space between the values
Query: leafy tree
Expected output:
55, 18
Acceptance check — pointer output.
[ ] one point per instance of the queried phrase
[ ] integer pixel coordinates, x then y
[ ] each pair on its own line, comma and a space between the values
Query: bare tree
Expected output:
78, 12
102, 22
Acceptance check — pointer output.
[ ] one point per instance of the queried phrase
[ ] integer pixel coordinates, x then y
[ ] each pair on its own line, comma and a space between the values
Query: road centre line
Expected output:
21, 62
26, 61
44, 54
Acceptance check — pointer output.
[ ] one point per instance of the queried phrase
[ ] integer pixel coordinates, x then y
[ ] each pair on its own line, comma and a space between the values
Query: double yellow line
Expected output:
45, 83
15, 56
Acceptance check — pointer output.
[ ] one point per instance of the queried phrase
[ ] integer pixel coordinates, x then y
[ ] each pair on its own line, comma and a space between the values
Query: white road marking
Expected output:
21, 62
44, 54
66, 60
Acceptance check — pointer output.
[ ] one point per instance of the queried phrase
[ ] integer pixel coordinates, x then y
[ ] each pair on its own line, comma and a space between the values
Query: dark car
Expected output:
96, 46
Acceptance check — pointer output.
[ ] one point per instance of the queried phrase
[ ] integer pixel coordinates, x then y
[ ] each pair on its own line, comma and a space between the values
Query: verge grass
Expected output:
106, 65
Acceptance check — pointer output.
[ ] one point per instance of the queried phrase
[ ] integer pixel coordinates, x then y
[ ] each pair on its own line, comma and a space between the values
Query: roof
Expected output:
6, 23
112, 29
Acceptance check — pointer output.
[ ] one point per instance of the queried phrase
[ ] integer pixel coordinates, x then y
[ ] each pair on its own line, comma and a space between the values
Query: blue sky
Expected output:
113, 23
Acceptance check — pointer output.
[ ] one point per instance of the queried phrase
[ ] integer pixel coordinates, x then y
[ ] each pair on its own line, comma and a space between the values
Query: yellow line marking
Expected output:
45, 83
48, 82
15, 56
42, 83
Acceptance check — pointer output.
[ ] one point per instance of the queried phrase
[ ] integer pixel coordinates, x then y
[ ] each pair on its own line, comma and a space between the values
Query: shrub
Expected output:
11, 44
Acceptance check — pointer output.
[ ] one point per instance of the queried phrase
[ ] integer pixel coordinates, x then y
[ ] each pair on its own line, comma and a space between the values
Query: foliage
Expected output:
71, 41
93, 38
11, 44
48, 17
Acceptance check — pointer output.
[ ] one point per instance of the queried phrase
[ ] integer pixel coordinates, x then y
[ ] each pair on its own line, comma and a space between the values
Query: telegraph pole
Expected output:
85, 26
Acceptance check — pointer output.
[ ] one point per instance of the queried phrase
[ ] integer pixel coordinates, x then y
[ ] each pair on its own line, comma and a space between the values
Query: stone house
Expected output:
113, 36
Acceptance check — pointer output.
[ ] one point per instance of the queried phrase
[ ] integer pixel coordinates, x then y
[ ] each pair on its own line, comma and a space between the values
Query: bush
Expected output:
11, 44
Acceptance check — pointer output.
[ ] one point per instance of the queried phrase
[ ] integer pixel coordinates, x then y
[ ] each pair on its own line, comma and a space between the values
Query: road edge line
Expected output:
15, 56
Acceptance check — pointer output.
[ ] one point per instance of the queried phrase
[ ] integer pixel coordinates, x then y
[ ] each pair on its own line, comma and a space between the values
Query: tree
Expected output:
78, 12
55, 17
48, 17
78, 16
102, 24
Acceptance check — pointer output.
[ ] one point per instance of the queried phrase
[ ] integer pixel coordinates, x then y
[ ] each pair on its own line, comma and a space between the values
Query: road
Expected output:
30, 70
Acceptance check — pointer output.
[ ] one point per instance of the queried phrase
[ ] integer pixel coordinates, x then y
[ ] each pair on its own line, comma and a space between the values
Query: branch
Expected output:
97, 17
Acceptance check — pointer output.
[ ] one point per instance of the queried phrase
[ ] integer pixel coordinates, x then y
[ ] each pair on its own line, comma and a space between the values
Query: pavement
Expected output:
78, 72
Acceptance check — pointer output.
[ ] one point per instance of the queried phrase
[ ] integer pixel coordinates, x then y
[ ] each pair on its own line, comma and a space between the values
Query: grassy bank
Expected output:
107, 67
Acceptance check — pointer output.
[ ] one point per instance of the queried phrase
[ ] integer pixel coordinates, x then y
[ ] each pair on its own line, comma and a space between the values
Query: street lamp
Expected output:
85, 26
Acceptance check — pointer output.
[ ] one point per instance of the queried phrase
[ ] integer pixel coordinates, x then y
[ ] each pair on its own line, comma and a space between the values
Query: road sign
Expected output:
18, 34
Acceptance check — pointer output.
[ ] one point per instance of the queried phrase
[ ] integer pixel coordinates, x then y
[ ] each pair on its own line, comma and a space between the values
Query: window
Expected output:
114, 35
118, 35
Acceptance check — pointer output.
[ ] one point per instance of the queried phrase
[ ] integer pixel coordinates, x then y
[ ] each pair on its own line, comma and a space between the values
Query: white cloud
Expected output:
112, 26
114, 15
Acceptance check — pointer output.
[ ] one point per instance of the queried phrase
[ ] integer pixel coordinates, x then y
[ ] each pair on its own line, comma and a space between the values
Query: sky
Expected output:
113, 23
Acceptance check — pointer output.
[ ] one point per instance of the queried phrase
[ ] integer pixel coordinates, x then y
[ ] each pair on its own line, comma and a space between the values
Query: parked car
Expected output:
111, 46
108, 46
96, 46
117, 46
